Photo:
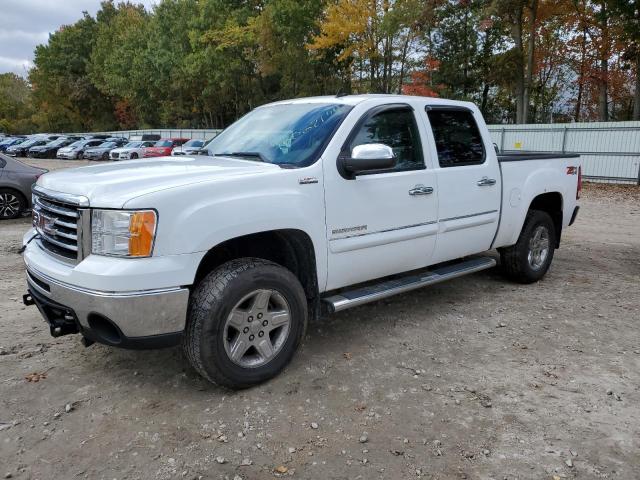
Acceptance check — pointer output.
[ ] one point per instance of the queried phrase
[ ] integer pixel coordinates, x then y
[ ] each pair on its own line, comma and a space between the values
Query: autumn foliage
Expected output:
204, 63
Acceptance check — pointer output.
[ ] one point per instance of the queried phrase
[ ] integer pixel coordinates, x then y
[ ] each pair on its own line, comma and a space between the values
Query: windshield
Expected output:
107, 145
286, 134
194, 143
163, 143
55, 143
132, 145
30, 143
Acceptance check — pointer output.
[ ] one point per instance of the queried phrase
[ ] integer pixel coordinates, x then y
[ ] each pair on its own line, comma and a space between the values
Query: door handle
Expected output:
486, 182
421, 190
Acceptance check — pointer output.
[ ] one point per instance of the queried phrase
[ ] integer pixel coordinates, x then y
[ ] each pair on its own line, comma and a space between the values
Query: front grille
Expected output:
58, 224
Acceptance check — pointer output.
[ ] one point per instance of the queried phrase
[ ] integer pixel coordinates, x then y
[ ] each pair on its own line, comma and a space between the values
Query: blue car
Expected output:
6, 142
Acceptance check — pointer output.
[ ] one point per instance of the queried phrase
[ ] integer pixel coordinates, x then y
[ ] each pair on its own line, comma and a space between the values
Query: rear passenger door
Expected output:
469, 180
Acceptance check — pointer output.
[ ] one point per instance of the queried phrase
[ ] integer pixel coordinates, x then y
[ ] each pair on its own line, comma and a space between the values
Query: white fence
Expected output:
610, 151
164, 133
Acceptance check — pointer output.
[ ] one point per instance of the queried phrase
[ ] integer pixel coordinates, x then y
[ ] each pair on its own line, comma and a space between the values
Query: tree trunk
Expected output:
583, 54
603, 106
517, 37
636, 95
530, 56
403, 60
485, 99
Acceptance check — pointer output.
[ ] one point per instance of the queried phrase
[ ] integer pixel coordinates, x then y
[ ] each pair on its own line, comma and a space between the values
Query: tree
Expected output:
15, 104
117, 67
374, 37
629, 15
64, 95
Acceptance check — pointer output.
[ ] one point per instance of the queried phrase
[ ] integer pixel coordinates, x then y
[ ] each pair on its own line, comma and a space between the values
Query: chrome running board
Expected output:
388, 288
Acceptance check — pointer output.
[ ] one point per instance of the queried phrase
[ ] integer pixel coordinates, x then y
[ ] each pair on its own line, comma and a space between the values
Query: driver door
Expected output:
381, 222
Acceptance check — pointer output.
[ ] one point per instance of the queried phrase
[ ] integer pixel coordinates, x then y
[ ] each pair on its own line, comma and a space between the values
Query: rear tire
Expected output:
12, 204
529, 259
246, 321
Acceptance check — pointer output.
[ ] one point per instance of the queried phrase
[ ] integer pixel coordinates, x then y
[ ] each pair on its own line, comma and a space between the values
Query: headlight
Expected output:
123, 233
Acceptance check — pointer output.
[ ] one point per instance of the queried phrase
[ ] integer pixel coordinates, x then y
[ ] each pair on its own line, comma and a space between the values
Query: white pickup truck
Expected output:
328, 201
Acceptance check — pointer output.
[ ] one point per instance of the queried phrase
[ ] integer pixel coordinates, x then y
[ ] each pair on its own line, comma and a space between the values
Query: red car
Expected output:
164, 146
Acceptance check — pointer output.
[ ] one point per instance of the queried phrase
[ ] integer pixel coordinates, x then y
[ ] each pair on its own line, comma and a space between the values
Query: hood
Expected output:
113, 184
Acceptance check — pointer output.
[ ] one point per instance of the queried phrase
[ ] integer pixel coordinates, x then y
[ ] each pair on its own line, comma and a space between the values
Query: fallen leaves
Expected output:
35, 377
281, 469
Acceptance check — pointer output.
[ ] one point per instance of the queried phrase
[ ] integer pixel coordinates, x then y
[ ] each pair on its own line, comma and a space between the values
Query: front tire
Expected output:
246, 321
133, 156
529, 259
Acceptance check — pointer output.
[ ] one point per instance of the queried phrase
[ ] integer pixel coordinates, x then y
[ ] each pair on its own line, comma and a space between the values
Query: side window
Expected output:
457, 137
398, 130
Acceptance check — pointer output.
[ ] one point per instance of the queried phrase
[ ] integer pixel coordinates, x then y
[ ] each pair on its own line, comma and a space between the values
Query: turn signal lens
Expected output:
142, 228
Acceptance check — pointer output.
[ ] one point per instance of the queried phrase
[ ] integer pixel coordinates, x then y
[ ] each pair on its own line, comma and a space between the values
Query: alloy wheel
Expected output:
538, 247
9, 205
257, 328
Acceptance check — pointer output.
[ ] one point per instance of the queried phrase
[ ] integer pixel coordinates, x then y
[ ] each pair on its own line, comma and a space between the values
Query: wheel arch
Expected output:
291, 248
551, 203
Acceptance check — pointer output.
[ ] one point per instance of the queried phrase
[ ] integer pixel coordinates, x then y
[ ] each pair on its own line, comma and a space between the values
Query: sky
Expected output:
27, 23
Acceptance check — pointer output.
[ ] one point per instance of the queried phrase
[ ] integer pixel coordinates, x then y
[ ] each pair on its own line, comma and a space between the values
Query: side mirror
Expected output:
370, 156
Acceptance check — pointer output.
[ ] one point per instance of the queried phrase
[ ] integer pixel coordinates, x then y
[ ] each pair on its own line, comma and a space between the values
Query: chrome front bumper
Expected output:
135, 314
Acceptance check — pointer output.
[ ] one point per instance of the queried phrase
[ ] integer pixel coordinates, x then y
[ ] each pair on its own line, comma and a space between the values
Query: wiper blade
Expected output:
257, 155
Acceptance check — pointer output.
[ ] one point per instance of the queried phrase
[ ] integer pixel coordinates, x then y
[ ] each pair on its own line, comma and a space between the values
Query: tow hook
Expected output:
27, 299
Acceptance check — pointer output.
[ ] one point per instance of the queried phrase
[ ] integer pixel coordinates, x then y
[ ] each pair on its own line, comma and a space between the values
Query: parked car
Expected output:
145, 137
326, 202
49, 150
192, 147
76, 150
164, 147
22, 149
204, 149
16, 180
9, 141
101, 152
97, 136
130, 151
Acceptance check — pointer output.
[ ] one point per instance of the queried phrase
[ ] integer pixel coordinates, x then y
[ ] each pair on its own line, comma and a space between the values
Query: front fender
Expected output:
197, 217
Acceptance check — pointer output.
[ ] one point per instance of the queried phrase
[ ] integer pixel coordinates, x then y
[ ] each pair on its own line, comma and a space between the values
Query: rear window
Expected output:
457, 138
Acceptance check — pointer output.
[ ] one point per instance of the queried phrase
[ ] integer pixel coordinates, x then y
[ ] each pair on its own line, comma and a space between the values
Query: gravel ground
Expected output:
477, 378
